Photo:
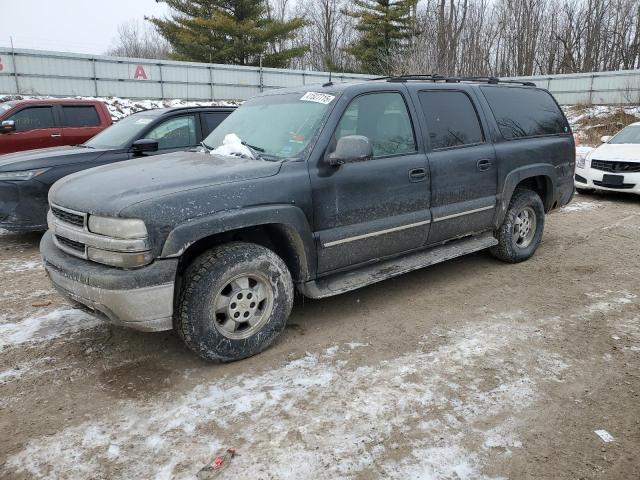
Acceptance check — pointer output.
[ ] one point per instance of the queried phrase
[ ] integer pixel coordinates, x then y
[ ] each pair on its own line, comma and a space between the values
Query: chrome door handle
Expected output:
55, 135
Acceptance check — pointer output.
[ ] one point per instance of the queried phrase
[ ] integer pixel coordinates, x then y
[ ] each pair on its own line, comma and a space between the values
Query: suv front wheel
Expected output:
235, 300
521, 231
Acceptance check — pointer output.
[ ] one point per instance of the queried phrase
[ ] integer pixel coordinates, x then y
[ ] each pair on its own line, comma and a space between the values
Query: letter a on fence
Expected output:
140, 74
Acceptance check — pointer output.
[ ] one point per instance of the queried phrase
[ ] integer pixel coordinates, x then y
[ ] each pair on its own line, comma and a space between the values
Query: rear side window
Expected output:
452, 120
32, 118
80, 116
211, 121
525, 112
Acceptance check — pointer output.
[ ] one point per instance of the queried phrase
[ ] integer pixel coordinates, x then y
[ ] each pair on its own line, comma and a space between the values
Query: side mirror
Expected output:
145, 145
8, 126
352, 148
606, 138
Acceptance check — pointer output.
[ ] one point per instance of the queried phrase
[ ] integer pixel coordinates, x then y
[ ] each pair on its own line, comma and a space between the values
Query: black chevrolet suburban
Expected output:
321, 190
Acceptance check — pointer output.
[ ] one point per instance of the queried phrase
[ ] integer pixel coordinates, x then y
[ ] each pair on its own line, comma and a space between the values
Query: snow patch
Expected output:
122, 107
15, 266
46, 327
579, 207
356, 410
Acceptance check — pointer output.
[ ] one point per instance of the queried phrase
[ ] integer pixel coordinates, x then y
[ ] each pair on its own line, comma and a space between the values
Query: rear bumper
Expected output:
23, 206
590, 179
141, 299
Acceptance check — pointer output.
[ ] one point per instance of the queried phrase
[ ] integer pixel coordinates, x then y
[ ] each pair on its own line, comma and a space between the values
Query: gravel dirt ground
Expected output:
469, 369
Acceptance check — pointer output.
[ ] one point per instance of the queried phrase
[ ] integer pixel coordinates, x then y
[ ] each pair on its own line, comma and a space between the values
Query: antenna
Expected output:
330, 82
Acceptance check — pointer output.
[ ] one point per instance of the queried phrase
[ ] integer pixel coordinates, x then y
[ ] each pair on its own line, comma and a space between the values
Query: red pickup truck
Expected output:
29, 124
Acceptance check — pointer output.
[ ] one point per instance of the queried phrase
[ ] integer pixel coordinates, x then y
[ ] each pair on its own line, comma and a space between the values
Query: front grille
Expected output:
68, 217
580, 178
615, 166
77, 246
623, 186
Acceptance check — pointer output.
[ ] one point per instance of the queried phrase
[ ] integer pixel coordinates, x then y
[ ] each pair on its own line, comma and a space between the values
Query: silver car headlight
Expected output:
117, 227
22, 175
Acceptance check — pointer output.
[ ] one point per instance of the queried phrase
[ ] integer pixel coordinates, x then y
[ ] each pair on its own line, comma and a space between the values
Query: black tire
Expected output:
509, 249
197, 320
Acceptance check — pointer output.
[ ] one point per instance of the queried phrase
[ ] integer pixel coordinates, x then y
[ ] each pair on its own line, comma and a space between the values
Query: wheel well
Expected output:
281, 239
542, 186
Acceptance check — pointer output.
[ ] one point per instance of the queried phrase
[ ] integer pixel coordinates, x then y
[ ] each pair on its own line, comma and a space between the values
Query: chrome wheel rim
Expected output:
243, 306
524, 227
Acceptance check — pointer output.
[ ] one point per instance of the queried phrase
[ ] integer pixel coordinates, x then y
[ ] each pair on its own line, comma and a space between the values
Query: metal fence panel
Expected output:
600, 88
41, 72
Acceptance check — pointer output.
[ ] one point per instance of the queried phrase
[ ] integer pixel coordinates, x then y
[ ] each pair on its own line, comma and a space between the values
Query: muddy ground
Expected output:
469, 369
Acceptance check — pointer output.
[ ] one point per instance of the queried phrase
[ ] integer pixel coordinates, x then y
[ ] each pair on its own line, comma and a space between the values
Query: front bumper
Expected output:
23, 206
141, 299
585, 178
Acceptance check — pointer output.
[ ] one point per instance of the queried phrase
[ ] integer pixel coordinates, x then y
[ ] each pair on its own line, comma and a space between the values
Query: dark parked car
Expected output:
29, 124
342, 186
25, 177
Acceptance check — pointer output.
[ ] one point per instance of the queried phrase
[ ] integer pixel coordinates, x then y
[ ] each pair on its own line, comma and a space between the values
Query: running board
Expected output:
345, 282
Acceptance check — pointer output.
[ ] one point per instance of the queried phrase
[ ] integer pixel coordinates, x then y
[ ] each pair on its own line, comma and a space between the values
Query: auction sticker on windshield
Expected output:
323, 98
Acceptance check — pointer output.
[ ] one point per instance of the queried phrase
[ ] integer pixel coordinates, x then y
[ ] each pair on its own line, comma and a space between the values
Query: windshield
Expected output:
122, 133
276, 126
630, 134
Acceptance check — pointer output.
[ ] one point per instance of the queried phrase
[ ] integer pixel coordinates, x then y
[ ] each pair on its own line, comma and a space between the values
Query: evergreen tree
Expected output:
228, 31
384, 26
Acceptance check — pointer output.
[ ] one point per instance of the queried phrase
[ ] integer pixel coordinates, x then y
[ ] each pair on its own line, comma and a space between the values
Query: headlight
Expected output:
581, 161
22, 174
117, 227
119, 259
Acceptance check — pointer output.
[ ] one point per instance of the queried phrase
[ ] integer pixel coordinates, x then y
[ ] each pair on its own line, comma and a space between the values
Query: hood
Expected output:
108, 189
46, 157
624, 151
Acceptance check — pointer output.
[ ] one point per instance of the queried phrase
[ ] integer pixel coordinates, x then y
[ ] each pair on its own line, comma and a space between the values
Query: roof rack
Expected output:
441, 78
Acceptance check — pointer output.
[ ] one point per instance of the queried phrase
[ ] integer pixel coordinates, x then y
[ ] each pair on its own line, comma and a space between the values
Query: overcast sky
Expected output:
83, 26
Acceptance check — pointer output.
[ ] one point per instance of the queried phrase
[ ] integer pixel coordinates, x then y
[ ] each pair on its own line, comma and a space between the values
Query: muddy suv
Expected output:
321, 190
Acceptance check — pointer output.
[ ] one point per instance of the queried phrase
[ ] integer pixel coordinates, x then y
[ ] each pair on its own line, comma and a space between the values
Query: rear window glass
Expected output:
451, 119
80, 116
211, 121
525, 112
32, 118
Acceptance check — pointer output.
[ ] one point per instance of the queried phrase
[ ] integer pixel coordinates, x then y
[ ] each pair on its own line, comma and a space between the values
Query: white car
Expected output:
614, 165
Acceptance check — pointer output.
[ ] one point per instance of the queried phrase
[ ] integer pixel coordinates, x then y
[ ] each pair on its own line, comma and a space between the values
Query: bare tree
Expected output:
139, 40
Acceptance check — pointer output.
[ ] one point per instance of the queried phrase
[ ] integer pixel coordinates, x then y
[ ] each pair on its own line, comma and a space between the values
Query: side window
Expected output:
80, 116
452, 121
32, 118
211, 121
525, 112
384, 119
177, 132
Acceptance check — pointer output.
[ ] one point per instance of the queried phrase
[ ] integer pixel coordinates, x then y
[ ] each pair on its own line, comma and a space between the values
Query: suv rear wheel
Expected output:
234, 302
521, 231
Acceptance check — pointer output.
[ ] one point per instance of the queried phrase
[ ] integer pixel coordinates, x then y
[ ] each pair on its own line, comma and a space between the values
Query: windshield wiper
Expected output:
253, 147
206, 147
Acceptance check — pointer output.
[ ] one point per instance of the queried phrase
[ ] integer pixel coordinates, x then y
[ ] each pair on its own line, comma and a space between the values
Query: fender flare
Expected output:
288, 217
516, 176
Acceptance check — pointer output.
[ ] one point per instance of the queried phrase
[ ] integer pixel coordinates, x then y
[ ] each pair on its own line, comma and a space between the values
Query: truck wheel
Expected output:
234, 301
521, 231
